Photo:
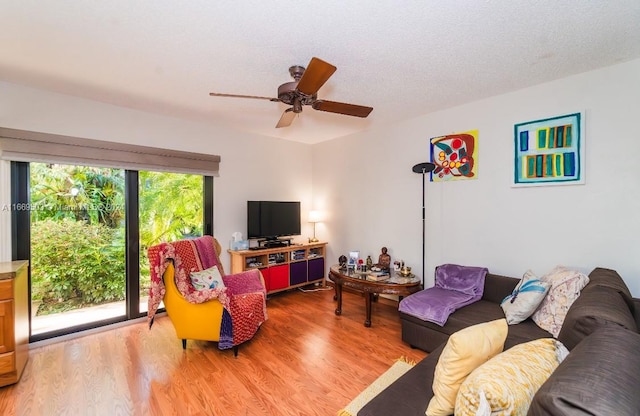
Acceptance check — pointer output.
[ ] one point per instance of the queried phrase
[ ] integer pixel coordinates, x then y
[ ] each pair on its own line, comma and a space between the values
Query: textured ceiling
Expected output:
403, 58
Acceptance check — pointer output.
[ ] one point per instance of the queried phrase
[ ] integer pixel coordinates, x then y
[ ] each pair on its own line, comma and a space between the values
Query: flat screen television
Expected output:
272, 219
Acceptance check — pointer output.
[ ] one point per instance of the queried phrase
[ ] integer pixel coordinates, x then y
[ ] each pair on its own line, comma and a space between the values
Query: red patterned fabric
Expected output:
186, 259
244, 296
247, 314
246, 304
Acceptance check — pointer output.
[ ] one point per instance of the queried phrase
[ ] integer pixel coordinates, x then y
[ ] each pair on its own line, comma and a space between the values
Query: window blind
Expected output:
30, 146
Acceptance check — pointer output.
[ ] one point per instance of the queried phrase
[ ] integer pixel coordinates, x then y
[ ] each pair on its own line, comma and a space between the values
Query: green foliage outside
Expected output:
170, 209
77, 230
93, 195
76, 264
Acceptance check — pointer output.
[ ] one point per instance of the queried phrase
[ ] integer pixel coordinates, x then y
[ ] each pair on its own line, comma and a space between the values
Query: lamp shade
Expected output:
315, 216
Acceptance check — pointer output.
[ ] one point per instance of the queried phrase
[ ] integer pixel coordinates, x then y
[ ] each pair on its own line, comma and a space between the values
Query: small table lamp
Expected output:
314, 217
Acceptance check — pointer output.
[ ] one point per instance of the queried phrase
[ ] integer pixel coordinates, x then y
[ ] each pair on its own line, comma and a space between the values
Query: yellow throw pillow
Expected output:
505, 385
465, 350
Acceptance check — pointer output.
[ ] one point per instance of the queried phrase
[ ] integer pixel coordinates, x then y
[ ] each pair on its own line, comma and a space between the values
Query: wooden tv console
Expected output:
284, 268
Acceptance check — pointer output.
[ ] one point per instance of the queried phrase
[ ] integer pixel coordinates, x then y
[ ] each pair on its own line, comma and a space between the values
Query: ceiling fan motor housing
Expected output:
287, 93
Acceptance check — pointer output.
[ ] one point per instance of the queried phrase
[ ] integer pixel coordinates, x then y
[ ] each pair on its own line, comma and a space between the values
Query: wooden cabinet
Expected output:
283, 268
14, 320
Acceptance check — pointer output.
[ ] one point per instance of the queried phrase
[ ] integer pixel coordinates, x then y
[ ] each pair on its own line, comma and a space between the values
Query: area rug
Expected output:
392, 374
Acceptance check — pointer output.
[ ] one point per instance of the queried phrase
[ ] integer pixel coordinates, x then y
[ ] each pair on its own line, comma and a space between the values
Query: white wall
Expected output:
252, 167
372, 197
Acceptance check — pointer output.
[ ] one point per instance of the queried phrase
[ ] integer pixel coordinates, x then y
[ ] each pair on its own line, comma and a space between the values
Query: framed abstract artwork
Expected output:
549, 151
455, 156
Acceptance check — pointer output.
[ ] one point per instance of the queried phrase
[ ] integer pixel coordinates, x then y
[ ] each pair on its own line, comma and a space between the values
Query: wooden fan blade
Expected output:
216, 94
342, 108
287, 118
314, 77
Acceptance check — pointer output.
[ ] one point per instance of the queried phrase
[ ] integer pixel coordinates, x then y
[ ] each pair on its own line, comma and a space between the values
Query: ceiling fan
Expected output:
304, 91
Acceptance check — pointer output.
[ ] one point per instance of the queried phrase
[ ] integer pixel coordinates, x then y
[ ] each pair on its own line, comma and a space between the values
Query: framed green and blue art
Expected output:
549, 151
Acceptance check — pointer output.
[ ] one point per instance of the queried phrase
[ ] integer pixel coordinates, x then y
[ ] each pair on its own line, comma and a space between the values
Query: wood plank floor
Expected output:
305, 360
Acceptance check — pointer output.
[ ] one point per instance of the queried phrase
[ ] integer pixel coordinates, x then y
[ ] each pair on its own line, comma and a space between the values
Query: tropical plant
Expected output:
170, 209
170, 206
90, 194
77, 264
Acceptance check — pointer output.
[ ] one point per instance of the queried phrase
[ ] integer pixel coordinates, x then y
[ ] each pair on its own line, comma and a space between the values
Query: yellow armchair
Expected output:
204, 321
191, 320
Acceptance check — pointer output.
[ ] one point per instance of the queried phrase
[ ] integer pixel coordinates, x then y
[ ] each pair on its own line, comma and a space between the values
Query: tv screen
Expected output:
272, 219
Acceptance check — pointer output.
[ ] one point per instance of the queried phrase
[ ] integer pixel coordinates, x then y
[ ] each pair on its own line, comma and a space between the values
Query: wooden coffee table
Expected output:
359, 282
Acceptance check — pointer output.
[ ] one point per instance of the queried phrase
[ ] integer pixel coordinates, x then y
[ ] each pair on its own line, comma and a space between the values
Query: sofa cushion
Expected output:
599, 377
565, 288
464, 352
417, 335
496, 287
506, 384
525, 331
525, 298
597, 306
476, 313
408, 395
428, 336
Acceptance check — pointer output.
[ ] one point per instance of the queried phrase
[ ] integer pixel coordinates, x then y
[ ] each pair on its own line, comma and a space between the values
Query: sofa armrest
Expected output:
598, 377
636, 301
597, 306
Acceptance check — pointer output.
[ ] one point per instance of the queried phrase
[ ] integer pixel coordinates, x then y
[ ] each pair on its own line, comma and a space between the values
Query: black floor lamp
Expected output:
423, 168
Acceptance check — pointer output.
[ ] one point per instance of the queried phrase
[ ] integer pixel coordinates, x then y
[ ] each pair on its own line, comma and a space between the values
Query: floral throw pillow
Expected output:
207, 279
565, 288
525, 298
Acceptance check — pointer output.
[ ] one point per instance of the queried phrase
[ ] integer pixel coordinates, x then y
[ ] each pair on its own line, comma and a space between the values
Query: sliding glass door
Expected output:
86, 231
78, 273
171, 208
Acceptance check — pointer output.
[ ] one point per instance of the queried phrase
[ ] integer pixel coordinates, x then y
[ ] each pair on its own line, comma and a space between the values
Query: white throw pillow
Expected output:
207, 279
525, 298
565, 288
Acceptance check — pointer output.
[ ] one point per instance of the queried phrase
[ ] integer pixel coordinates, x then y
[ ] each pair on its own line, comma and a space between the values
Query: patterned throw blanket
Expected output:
243, 298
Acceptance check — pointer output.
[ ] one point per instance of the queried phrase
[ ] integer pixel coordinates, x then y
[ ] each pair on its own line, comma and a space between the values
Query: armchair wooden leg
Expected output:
235, 351
184, 344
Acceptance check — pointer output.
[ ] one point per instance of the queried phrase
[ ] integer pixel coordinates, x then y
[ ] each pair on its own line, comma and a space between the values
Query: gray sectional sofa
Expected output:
601, 375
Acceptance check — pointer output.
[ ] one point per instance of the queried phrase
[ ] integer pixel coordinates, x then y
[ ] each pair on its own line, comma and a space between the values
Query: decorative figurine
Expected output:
369, 263
342, 260
384, 261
